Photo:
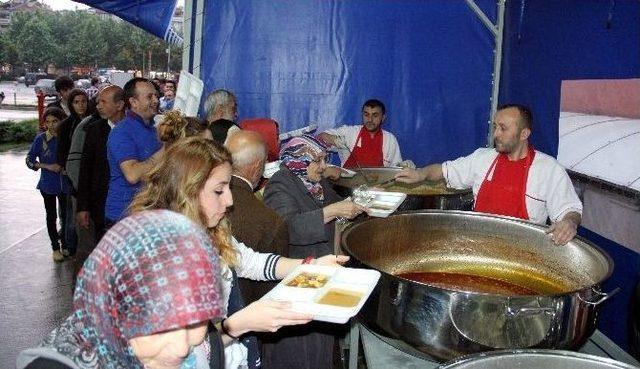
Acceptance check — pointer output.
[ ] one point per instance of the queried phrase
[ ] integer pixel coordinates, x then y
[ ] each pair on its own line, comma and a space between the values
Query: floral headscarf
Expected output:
297, 154
153, 271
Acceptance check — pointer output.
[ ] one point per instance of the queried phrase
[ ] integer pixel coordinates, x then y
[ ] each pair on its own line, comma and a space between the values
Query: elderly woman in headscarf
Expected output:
300, 194
309, 205
143, 300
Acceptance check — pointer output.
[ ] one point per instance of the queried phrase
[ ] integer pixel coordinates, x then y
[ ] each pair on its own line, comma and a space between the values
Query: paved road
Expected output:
18, 115
23, 95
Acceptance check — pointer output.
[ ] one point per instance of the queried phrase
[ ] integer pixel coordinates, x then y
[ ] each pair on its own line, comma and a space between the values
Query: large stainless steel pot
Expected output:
423, 195
536, 359
447, 323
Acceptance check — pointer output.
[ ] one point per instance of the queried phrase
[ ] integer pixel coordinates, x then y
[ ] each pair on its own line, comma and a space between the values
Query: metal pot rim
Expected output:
546, 352
529, 224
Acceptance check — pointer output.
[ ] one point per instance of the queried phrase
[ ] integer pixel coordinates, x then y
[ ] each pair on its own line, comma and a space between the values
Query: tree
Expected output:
68, 38
35, 43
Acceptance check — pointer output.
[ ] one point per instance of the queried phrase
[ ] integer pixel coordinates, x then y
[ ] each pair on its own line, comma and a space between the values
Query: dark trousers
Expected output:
308, 346
108, 223
71, 237
98, 224
51, 211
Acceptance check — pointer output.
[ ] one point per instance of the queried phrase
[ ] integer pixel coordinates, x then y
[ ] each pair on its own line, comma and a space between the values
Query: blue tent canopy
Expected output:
153, 16
302, 62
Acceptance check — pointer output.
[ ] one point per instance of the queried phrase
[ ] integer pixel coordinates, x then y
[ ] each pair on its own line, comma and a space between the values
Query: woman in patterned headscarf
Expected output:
194, 180
308, 203
143, 299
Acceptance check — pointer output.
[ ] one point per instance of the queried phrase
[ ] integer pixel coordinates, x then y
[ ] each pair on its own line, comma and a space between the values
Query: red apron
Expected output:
367, 152
505, 193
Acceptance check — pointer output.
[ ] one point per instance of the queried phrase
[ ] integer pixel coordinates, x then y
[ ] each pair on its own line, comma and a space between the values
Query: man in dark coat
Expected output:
221, 108
93, 181
63, 86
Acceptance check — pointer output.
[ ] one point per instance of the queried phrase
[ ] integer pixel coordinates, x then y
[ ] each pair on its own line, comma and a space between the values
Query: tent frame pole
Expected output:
498, 33
197, 52
192, 26
186, 34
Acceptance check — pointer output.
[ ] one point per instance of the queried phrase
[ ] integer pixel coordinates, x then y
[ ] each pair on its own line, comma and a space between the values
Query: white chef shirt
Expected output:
549, 193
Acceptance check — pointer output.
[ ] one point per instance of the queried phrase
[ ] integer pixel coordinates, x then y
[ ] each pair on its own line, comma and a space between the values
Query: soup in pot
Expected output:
471, 283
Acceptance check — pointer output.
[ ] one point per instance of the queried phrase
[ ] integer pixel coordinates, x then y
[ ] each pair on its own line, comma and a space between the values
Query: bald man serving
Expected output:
512, 179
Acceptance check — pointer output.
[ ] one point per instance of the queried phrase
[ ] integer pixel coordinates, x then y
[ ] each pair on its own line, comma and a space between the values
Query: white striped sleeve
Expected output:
255, 265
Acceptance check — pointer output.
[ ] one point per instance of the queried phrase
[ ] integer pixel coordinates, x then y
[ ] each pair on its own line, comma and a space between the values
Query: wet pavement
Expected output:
35, 292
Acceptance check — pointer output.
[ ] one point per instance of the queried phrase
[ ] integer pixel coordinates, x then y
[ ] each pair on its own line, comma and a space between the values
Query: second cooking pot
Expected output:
535, 359
423, 195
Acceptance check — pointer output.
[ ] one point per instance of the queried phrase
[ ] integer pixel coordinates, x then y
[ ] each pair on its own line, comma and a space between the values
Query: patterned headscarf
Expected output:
153, 271
297, 154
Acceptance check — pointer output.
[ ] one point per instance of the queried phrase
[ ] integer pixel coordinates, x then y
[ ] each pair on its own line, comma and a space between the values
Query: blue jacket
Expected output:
45, 152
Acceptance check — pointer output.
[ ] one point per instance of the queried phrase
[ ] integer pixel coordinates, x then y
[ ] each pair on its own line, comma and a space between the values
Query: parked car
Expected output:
20, 79
31, 78
46, 86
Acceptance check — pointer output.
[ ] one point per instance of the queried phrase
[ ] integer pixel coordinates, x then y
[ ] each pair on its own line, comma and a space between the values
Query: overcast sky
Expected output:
68, 4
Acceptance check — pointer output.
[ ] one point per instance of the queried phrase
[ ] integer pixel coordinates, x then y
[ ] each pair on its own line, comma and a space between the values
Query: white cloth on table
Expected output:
549, 194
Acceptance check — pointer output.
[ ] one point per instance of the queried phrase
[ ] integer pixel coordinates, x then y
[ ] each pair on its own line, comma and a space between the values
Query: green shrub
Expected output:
24, 131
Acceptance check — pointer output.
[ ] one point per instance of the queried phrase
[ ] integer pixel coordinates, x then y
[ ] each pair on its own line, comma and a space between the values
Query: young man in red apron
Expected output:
512, 179
367, 145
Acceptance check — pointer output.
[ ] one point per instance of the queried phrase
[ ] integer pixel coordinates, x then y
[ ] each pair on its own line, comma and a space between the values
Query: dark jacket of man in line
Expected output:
255, 225
93, 181
221, 109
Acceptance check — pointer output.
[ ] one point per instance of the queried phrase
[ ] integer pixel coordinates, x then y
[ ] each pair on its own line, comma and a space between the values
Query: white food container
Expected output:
360, 282
384, 203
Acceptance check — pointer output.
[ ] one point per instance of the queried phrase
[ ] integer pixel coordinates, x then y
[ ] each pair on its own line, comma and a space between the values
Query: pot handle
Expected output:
515, 312
603, 296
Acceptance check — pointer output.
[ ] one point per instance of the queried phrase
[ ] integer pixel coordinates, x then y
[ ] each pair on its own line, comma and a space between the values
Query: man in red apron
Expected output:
367, 145
512, 179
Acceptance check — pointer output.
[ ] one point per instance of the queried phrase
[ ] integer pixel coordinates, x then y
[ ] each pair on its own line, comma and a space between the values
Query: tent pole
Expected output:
497, 68
498, 32
197, 41
186, 34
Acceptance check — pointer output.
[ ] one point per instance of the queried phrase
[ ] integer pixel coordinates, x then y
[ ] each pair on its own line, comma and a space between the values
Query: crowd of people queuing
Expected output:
137, 187
129, 169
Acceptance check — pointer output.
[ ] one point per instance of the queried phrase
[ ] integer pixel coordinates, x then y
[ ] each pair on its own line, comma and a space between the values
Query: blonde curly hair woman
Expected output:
193, 179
